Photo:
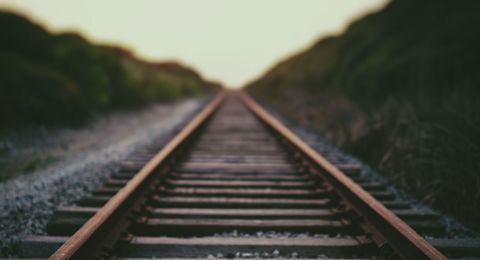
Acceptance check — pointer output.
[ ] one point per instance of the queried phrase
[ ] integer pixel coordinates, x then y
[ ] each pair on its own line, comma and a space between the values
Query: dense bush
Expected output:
47, 78
400, 88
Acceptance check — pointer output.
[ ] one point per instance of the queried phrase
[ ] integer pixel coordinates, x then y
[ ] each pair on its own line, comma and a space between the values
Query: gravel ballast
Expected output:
83, 160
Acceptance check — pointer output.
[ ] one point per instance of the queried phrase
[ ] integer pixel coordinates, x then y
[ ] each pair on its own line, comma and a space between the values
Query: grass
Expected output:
52, 79
10, 168
402, 94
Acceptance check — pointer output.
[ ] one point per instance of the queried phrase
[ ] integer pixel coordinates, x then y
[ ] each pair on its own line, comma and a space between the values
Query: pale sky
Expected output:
232, 41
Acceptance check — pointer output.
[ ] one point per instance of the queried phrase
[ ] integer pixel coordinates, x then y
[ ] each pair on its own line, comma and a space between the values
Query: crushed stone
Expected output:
85, 158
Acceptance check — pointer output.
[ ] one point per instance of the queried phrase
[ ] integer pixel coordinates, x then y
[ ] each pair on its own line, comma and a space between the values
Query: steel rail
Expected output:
400, 236
80, 244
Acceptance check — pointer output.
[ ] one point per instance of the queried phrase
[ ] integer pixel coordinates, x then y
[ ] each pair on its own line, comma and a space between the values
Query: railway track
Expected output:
236, 183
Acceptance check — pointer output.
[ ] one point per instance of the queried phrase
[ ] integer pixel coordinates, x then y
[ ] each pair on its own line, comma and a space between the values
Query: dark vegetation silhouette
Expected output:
52, 79
400, 88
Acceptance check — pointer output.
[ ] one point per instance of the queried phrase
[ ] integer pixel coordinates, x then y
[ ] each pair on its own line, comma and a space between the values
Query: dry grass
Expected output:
402, 94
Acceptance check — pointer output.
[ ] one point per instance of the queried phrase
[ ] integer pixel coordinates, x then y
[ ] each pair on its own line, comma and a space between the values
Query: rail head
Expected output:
407, 243
73, 247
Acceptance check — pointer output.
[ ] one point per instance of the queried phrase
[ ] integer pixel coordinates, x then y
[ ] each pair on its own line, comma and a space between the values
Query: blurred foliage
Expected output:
50, 78
399, 88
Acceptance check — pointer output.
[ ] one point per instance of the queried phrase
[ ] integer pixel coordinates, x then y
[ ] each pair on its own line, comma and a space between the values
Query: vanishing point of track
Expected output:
234, 167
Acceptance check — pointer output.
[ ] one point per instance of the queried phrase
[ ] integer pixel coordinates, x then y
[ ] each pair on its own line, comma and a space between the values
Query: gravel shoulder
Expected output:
69, 163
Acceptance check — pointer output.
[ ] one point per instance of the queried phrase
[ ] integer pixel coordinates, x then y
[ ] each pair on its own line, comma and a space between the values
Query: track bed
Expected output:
234, 187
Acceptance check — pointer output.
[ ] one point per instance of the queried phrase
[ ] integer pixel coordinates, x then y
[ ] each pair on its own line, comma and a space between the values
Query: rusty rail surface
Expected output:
391, 229
85, 240
106, 227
